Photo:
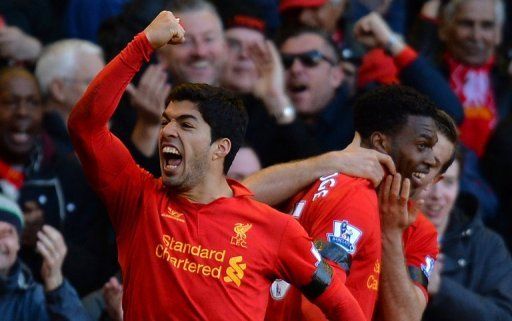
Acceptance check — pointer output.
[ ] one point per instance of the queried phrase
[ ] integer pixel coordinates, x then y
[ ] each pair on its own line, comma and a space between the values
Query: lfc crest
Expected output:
240, 239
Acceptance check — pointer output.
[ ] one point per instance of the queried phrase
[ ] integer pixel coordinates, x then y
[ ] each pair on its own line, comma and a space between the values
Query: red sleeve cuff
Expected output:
143, 40
405, 58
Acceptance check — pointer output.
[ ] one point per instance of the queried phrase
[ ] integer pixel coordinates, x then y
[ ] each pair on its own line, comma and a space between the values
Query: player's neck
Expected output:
209, 190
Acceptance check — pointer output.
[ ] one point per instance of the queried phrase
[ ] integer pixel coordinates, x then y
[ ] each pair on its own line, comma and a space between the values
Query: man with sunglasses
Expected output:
313, 77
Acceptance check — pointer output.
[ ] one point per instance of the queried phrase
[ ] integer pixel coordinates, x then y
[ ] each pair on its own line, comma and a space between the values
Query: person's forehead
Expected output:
475, 10
244, 34
303, 42
420, 125
19, 84
200, 21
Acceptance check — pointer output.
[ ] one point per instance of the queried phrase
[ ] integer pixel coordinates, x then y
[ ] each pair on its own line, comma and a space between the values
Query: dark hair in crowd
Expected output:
387, 108
222, 110
296, 32
447, 127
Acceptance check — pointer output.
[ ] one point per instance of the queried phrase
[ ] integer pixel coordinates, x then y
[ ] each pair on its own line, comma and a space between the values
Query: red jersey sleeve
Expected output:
345, 213
300, 264
421, 249
107, 163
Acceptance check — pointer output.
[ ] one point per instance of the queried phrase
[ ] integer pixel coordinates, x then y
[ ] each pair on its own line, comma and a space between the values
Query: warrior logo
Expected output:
235, 271
240, 238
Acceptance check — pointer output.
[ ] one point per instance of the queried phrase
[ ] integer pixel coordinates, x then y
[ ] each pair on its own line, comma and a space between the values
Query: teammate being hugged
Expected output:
192, 244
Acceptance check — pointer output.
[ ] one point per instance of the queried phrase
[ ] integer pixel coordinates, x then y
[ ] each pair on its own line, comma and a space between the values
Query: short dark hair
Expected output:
446, 126
387, 108
222, 110
293, 32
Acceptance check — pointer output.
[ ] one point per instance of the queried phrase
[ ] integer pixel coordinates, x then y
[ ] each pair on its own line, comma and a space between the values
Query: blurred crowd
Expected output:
298, 66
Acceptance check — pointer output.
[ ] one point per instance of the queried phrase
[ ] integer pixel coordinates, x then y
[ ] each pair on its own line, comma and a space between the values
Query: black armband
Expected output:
319, 282
334, 253
417, 275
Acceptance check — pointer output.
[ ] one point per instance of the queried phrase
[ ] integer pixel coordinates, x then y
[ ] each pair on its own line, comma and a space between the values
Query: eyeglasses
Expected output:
309, 59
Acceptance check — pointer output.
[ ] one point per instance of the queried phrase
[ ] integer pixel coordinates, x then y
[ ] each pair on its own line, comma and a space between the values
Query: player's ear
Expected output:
380, 142
221, 148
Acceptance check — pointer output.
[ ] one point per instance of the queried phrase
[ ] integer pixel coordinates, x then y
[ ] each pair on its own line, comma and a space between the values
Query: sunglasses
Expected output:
309, 59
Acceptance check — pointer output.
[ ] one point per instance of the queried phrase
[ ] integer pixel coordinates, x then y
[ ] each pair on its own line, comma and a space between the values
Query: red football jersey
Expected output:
342, 210
182, 260
421, 249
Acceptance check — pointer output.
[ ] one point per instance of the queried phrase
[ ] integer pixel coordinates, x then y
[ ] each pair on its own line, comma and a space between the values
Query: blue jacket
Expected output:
476, 281
22, 299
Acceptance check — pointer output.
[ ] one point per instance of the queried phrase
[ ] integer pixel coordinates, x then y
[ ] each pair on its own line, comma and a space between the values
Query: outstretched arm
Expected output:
275, 184
103, 156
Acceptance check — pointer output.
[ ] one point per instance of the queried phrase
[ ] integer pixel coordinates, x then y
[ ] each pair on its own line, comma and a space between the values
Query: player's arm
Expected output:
103, 156
275, 184
300, 263
349, 231
400, 298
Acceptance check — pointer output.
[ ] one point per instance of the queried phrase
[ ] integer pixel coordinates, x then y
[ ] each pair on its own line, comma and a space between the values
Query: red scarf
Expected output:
12, 175
472, 85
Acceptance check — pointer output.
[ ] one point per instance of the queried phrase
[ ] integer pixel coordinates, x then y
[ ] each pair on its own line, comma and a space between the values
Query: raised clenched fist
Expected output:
165, 29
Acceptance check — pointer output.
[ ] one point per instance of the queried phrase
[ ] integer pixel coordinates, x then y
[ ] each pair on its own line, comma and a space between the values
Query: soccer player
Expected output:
341, 213
192, 244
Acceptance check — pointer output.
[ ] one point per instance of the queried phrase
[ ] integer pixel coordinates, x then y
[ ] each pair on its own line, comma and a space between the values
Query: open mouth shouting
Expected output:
172, 159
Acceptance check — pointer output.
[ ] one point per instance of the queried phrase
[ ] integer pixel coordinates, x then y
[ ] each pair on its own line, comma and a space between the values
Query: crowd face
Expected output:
412, 150
9, 247
473, 34
246, 162
240, 73
20, 115
185, 146
312, 74
74, 86
201, 58
440, 198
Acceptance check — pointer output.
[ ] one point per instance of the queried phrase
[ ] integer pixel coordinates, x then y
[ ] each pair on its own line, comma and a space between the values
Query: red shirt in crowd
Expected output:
182, 260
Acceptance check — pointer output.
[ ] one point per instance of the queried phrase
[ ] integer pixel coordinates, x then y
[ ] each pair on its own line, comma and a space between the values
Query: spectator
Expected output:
473, 279
402, 65
254, 69
313, 83
246, 162
50, 187
471, 30
21, 298
64, 71
201, 58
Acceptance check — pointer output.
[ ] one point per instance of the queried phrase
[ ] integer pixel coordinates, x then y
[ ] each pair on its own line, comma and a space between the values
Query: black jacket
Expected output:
476, 281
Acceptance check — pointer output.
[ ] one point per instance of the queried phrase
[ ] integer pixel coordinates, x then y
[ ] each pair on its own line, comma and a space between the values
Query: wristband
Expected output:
285, 115
392, 41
